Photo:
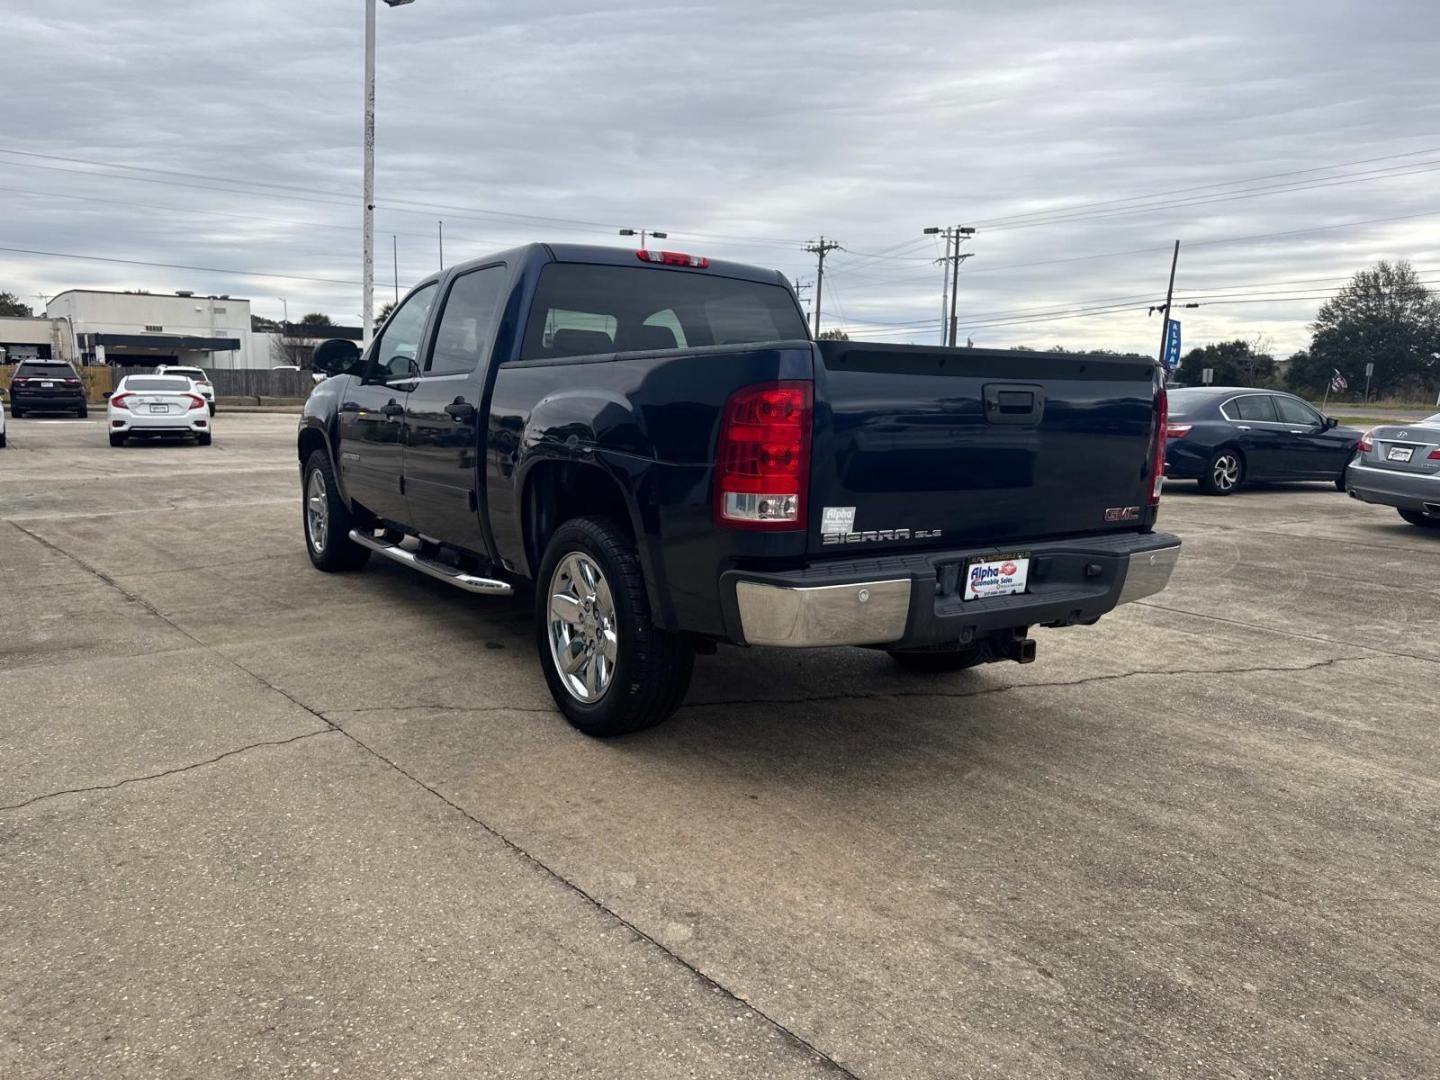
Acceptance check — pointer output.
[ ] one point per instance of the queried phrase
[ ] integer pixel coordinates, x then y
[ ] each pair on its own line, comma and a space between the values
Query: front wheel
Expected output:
1223, 474
327, 520
1416, 517
609, 668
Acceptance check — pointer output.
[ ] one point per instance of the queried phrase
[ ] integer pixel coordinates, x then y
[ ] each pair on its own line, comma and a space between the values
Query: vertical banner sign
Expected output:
1172, 344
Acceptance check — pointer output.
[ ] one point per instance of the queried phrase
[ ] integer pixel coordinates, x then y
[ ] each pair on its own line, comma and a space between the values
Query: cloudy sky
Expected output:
1284, 144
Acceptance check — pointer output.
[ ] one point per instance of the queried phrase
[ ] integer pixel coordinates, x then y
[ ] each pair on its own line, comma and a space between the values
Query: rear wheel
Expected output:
1224, 473
1416, 517
938, 663
327, 520
117, 440
203, 439
17, 413
609, 668
2, 440
83, 413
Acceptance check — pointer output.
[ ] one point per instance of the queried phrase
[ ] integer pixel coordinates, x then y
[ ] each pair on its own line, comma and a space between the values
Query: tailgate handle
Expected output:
1014, 403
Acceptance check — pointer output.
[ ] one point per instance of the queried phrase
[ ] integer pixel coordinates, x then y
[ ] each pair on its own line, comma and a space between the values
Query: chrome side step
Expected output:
448, 574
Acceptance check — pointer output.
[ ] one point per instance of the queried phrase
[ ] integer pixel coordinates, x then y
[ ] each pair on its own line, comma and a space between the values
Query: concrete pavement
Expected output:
260, 820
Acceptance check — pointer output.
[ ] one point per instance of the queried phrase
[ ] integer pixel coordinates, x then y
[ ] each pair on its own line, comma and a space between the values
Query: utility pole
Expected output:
954, 237
441, 226
395, 254
1169, 295
367, 294
820, 248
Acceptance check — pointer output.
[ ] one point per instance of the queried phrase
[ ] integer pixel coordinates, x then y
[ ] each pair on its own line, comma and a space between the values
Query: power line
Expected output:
177, 266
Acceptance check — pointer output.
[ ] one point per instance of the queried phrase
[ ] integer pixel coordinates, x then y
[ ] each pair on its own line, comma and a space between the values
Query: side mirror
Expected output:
1331, 422
335, 356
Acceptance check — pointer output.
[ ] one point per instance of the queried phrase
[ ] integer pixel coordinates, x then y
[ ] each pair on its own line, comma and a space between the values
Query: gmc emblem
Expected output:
1122, 513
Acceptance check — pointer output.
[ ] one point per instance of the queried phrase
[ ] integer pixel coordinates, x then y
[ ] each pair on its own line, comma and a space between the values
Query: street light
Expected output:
368, 276
654, 234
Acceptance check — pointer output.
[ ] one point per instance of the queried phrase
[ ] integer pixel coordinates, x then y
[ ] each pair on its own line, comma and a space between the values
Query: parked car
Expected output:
1229, 436
157, 405
654, 440
1399, 465
46, 386
196, 375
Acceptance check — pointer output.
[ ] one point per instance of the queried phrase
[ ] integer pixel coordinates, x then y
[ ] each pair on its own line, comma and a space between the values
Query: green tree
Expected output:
1385, 316
261, 325
1236, 363
834, 335
385, 312
315, 318
10, 305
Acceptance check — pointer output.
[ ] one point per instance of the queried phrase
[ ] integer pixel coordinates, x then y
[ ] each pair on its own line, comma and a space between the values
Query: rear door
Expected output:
442, 413
372, 410
955, 446
1260, 435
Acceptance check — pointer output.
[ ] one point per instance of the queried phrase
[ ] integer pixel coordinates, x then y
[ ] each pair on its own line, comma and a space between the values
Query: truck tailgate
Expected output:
918, 446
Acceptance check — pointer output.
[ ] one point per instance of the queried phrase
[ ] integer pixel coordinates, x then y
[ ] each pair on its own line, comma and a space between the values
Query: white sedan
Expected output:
157, 405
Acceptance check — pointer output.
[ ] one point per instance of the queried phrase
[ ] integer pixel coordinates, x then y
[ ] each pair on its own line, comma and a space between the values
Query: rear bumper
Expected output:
914, 601
195, 421
1390, 487
47, 400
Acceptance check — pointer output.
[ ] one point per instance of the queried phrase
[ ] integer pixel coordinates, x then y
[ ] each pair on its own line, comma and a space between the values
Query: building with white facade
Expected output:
140, 329
35, 338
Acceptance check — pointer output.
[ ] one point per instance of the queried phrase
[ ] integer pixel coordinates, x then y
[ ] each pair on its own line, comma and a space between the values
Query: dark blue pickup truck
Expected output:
654, 440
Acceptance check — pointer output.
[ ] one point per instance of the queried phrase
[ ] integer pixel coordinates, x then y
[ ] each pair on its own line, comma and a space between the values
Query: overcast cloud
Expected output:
744, 128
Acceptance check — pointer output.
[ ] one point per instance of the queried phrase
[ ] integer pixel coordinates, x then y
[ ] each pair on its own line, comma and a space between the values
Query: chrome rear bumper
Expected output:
865, 613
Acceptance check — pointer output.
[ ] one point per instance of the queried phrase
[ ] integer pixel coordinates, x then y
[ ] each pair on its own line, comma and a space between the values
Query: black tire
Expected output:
1425, 521
1340, 482
2, 440
117, 440
334, 551
1224, 472
211, 407
83, 413
203, 440
16, 414
651, 668
938, 663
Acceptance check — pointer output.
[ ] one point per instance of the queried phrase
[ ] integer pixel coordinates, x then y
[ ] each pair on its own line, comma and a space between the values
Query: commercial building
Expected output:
30, 338
141, 329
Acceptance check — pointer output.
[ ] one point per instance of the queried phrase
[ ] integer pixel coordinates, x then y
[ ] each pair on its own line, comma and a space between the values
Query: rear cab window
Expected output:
157, 384
581, 310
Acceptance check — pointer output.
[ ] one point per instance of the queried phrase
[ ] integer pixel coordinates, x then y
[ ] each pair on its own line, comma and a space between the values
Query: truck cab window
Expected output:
395, 351
467, 323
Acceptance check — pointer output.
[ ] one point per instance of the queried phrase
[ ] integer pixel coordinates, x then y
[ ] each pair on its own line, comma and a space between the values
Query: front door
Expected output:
1312, 449
443, 413
372, 411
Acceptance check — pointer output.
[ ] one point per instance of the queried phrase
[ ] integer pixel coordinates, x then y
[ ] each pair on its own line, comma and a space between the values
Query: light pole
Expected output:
957, 234
368, 275
286, 308
654, 234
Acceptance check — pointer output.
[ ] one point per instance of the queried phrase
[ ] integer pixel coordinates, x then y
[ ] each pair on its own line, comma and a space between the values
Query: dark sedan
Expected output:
1227, 436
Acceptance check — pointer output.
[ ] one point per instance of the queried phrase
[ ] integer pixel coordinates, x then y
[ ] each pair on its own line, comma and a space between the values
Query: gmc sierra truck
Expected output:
655, 442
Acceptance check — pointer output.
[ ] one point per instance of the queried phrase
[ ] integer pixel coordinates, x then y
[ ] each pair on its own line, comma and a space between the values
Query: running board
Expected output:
448, 574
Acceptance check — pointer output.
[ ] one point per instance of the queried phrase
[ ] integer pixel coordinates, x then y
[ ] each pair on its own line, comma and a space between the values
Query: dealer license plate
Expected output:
159, 408
1400, 453
46, 385
996, 577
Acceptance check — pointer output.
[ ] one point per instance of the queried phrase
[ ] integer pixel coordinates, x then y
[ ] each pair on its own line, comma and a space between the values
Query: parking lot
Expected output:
263, 821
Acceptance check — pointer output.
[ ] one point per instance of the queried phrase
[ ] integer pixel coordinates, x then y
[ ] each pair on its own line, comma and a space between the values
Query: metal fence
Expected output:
228, 383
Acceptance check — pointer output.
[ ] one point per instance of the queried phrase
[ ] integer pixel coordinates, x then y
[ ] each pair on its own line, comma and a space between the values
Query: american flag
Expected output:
1338, 383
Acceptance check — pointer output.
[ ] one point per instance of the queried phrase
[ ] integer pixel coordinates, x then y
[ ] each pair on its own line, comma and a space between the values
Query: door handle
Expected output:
393, 410
460, 410
349, 406
1243, 427
1296, 431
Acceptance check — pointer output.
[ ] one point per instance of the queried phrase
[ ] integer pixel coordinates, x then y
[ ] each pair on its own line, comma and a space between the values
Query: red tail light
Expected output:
1177, 431
18, 382
1162, 427
762, 469
72, 382
1366, 443
196, 401
673, 258
119, 400
1434, 455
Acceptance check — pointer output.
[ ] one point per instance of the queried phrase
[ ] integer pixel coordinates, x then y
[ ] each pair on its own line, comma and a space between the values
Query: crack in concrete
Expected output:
328, 729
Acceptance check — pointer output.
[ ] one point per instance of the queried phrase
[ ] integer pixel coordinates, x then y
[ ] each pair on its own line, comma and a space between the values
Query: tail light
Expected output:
196, 401
673, 258
72, 382
119, 400
762, 468
18, 382
1434, 455
1367, 442
1162, 427
1177, 431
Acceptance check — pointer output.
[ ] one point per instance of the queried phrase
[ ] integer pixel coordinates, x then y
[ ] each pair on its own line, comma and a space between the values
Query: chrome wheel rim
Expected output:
317, 511
1227, 472
584, 636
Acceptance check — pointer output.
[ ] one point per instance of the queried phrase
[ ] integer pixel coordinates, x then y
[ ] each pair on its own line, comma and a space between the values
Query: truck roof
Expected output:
598, 255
